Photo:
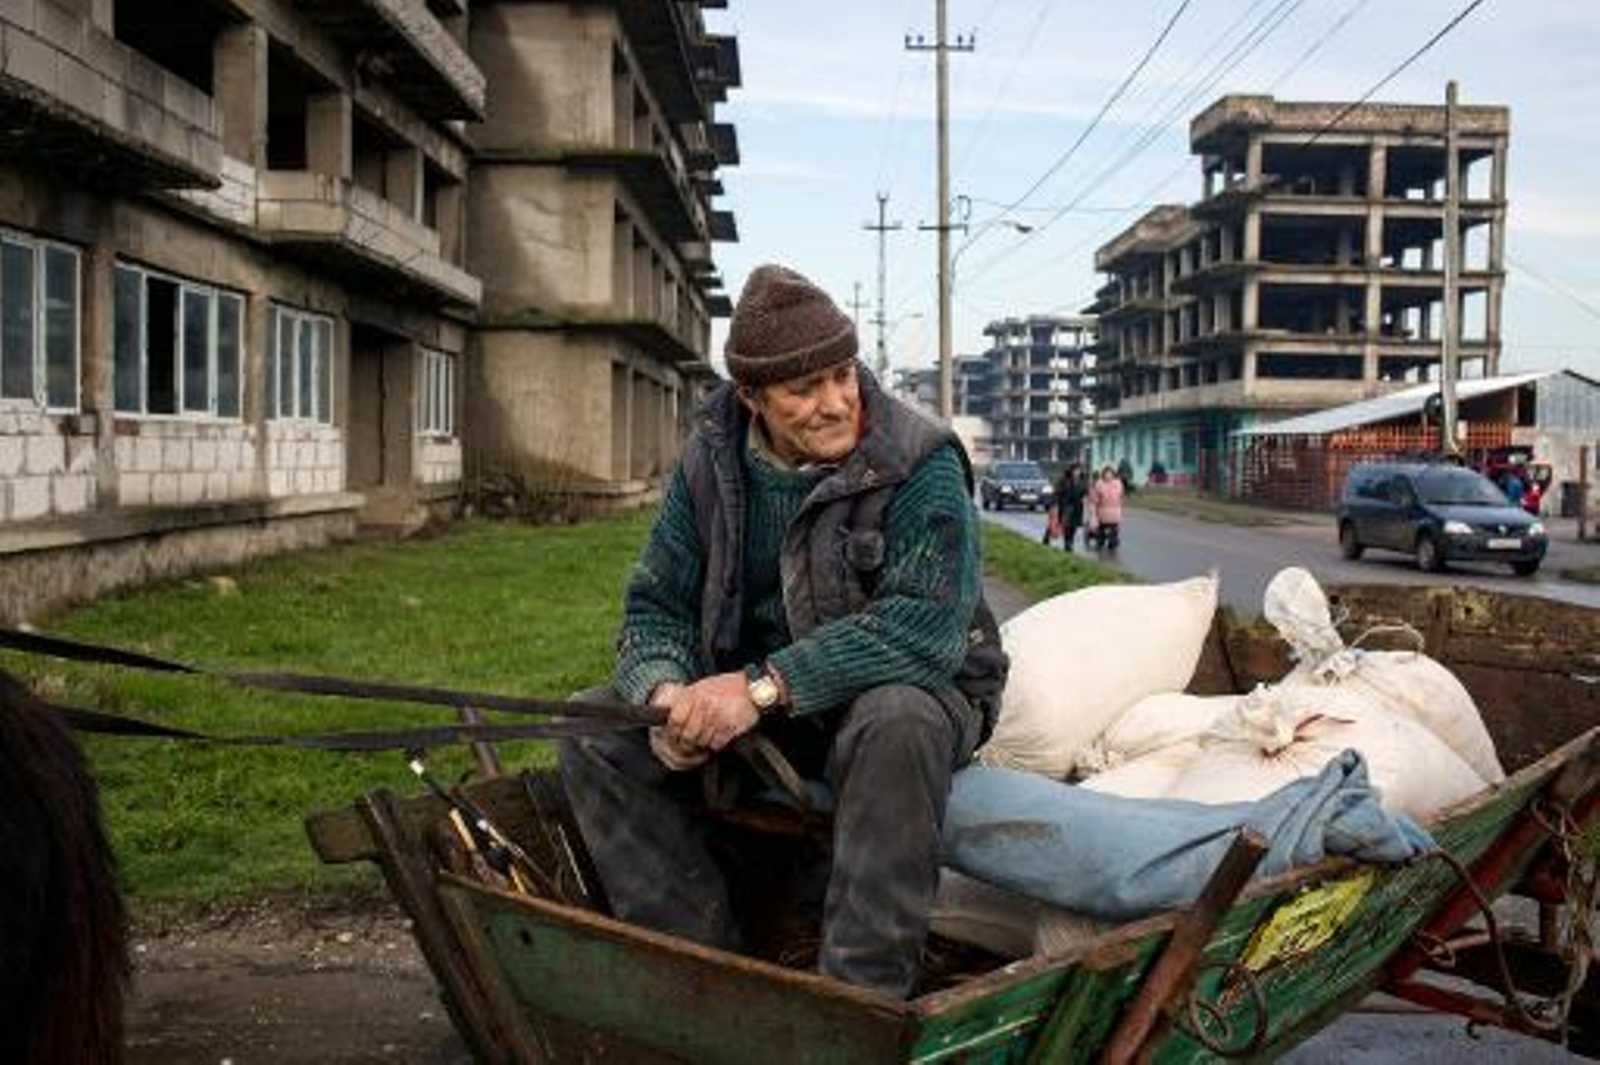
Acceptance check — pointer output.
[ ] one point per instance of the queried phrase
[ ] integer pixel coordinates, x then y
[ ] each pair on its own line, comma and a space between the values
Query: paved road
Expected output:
1160, 546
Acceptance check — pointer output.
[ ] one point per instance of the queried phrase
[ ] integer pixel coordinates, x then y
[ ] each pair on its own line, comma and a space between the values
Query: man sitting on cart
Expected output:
813, 574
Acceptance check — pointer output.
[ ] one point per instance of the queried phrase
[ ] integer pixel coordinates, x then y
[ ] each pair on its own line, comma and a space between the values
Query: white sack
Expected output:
1080, 659
1154, 722
979, 914
1149, 776
1415, 686
1276, 735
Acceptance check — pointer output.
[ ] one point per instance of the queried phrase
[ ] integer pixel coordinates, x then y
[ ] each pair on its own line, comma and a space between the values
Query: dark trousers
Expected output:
888, 760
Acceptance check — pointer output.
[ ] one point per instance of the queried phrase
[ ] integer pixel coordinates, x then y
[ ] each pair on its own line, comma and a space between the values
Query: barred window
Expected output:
39, 332
177, 348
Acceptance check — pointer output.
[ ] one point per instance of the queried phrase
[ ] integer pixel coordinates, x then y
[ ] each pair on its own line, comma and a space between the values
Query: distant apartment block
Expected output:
1310, 274
1033, 385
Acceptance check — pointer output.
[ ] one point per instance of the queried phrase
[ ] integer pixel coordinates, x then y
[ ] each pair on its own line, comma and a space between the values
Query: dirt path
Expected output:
288, 986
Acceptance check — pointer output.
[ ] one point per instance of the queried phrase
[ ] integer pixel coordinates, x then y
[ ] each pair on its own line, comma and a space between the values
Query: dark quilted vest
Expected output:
834, 547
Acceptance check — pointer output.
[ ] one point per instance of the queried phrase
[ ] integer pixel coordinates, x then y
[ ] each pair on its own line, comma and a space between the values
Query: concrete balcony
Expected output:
402, 45
349, 229
75, 100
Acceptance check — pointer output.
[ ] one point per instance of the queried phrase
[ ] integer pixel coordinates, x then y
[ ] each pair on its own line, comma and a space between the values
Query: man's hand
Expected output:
712, 712
675, 755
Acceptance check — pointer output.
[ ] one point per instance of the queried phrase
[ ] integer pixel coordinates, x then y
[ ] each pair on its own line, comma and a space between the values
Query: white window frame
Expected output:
299, 322
436, 393
41, 369
216, 297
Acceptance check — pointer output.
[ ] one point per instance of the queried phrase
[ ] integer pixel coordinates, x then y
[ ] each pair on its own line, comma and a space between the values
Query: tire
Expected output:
1526, 569
1429, 558
984, 502
1349, 546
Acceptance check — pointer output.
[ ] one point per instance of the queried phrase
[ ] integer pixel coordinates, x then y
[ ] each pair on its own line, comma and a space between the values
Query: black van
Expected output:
1439, 513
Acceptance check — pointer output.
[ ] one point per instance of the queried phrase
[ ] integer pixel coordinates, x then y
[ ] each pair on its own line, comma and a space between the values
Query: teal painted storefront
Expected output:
1189, 445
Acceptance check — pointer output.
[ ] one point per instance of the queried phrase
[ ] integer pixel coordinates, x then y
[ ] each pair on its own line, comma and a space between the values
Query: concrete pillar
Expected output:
1492, 311
402, 180
103, 16
1227, 249
1374, 307
1369, 363
1341, 313
1377, 171
1252, 237
1347, 179
450, 215
1497, 170
1374, 249
1497, 239
1425, 322
328, 134
1247, 370
1252, 161
239, 90
622, 111
1250, 304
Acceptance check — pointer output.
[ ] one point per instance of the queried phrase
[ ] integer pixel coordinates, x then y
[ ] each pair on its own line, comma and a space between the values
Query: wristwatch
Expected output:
763, 688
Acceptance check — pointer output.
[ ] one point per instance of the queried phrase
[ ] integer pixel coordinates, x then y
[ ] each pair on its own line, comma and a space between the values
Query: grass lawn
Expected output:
496, 607
1037, 571
1583, 574
1190, 503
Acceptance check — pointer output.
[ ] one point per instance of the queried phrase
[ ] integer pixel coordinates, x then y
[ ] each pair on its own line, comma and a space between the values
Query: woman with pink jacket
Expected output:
1105, 500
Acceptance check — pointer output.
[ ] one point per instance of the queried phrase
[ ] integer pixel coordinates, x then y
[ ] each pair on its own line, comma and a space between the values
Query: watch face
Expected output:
763, 692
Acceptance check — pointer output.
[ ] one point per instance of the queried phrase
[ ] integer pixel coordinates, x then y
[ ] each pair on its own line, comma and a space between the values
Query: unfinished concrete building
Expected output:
1034, 382
1310, 274
237, 290
592, 226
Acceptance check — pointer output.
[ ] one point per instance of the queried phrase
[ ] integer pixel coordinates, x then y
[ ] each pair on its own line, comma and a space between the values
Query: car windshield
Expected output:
1459, 488
1019, 471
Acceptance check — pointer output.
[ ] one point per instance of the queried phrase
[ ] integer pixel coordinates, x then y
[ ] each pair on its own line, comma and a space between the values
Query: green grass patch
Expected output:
497, 607
1037, 571
530, 610
1189, 503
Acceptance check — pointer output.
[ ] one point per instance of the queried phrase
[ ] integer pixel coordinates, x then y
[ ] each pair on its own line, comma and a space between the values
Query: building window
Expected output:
436, 393
302, 366
38, 322
178, 347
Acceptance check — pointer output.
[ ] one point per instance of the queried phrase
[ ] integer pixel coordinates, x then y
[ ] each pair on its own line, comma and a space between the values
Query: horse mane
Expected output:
63, 932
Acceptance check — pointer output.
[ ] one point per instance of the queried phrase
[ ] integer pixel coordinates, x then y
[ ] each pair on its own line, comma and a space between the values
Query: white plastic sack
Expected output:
1154, 722
1280, 734
1080, 659
970, 911
1415, 686
1149, 776
1297, 608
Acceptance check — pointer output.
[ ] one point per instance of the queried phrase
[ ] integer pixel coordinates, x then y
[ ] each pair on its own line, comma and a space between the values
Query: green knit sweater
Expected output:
913, 632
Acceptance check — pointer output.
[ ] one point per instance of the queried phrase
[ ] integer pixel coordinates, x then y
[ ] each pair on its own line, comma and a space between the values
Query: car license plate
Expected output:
1028, 497
1504, 544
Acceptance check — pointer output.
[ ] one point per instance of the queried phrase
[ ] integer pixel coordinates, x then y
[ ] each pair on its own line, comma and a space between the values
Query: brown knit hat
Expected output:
785, 327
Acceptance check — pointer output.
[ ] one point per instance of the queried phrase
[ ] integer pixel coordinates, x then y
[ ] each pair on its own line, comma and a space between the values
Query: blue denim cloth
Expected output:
1119, 859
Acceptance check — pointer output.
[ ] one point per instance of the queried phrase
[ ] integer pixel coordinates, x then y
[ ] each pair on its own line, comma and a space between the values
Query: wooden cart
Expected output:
1244, 973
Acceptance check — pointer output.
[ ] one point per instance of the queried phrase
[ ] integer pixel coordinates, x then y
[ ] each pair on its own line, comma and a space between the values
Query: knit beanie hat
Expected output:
785, 327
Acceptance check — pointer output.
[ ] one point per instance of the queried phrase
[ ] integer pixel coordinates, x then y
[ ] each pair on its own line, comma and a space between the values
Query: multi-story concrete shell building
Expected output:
591, 220
1033, 385
1310, 274
240, 282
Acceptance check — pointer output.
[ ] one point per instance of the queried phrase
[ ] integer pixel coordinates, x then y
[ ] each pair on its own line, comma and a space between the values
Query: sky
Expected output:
834, 110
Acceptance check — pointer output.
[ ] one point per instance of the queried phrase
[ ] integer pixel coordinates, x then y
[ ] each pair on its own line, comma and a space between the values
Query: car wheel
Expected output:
1349, 546
1526, 569
1429, 559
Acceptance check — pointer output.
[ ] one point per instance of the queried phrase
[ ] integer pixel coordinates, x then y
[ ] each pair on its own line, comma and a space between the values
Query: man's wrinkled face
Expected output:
814, 418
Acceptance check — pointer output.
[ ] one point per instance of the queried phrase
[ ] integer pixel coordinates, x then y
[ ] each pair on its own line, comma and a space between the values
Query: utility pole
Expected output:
942, 47
1450, 355
883, 229
855, 305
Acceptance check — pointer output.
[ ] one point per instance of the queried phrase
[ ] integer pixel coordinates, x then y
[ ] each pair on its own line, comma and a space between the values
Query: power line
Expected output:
1093, 125
1004, 86
1316, 46
1554, 286
1387, 78
1257, 35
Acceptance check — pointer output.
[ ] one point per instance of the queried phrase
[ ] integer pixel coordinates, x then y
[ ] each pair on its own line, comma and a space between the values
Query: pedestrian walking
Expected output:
1069, 502
1105, 500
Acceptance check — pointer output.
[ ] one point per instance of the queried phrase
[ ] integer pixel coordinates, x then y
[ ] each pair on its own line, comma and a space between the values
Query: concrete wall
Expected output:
548, 234
539, 404
47, 467
549, 68
177, 462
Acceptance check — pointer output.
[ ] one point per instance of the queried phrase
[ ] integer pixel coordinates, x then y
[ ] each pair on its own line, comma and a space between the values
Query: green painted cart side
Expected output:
535, 981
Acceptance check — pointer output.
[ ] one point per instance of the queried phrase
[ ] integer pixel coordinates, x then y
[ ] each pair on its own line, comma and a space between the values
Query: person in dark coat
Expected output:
1069, 499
